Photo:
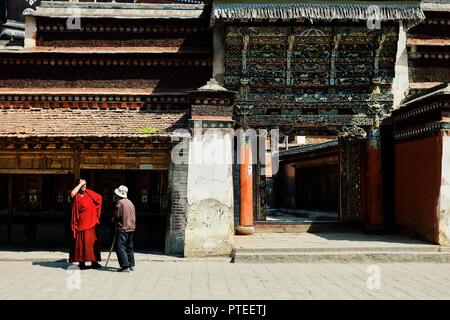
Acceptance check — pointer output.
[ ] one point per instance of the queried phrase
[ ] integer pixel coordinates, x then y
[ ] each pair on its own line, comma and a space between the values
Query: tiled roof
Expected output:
88, 123
308, 148
245, 10
64, 9
425, 94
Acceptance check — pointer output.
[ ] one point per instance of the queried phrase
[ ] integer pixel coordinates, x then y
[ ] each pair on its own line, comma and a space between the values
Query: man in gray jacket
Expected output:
125, 219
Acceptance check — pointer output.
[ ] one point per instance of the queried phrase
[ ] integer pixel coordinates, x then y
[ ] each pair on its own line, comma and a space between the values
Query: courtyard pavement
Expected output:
48, 275
211, 279
257, 242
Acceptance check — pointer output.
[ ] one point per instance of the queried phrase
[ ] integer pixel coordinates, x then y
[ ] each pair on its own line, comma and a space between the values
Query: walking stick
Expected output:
112, 246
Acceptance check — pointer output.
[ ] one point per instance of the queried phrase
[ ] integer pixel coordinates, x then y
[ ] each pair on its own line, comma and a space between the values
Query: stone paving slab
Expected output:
206, 280
340, 257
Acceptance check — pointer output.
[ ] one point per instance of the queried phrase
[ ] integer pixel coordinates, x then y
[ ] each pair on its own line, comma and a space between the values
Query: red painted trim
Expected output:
246, 194
363, 181
375, 204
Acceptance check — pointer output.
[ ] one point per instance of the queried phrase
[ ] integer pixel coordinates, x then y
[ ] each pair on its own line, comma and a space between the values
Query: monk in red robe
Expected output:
86, 210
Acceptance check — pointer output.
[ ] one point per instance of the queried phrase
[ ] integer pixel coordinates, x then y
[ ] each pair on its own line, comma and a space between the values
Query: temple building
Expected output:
113, 92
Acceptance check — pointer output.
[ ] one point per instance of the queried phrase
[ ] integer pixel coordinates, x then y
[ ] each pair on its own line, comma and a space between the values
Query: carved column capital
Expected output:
351, 132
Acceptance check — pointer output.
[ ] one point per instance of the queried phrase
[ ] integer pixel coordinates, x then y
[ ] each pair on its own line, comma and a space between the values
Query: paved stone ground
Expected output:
257, 241
221, 280
59, 255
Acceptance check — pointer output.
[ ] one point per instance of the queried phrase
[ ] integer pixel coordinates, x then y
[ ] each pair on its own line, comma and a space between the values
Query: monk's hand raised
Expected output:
82, 182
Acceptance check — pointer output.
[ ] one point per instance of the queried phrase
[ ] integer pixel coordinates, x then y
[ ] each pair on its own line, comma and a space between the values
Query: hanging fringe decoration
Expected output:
408, 12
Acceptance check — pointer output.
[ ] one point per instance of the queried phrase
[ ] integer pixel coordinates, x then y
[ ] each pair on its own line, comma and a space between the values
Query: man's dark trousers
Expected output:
124, 249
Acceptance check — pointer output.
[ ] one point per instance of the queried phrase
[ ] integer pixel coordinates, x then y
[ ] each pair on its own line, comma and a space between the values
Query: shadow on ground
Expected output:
64, 264
58, 264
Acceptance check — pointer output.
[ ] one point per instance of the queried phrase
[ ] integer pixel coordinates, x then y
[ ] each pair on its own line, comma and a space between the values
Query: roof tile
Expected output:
88, 123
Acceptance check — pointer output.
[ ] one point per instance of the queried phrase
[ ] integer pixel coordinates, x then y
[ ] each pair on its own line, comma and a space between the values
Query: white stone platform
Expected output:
335, 247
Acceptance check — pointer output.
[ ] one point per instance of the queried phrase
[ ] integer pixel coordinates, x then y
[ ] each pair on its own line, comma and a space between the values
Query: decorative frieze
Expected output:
337, 39
291, 41
351, 132
422, 130
310, 70
444, 55
211, 124
423, 115
418, 112
87, 143
124, 102
311, 121
376, 64
350, 179
437, 22
121, 28
72, 61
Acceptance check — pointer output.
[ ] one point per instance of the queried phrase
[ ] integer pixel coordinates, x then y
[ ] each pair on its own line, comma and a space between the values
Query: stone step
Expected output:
392, 248
298, 227
340, 257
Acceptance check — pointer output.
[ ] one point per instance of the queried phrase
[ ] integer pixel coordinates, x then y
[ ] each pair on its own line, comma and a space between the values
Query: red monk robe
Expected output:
86, 210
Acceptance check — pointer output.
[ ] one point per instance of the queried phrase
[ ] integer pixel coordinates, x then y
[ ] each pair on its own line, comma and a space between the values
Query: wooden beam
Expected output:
77, 161
326, 161
121, 166
35, 171
423, 85
428, 42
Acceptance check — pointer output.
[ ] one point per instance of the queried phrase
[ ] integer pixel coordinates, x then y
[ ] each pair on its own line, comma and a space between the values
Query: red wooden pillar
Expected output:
375, 181
246, 226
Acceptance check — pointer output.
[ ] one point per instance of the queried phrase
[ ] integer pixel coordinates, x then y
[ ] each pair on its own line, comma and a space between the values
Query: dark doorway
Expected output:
37, 215
307, 182
36, 210
317, 188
